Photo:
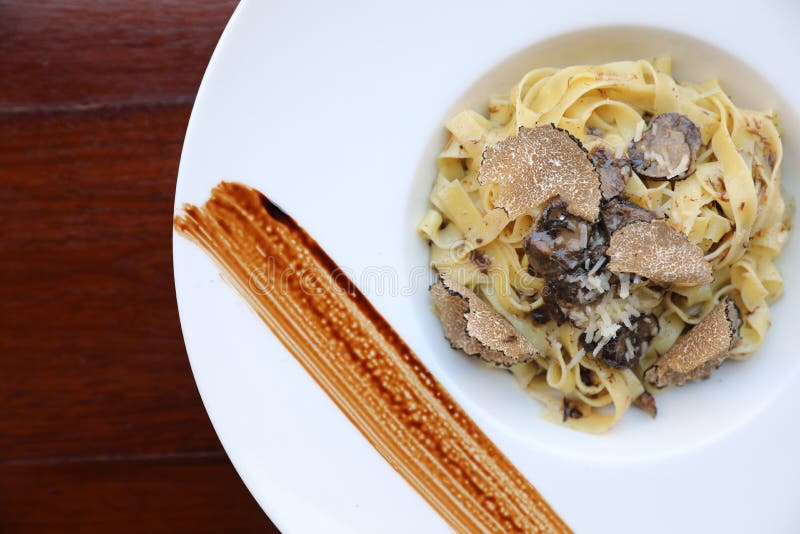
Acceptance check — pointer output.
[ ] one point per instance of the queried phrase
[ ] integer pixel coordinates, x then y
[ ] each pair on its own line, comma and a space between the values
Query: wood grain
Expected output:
91, 311
169, 495
98, 52
102, 428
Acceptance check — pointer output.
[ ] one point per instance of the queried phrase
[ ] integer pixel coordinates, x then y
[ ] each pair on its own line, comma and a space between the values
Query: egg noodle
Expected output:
731, 207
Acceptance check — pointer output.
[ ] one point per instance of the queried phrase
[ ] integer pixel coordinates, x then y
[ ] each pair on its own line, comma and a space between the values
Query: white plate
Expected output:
335, 112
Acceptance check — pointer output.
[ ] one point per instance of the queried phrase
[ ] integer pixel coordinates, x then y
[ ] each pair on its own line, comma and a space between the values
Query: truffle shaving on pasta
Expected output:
605, 232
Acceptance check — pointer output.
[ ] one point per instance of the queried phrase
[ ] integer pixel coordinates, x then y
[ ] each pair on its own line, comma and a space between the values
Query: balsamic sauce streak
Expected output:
363, 365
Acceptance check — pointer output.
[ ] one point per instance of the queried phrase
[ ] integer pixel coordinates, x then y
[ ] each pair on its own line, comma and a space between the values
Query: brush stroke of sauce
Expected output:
362, 364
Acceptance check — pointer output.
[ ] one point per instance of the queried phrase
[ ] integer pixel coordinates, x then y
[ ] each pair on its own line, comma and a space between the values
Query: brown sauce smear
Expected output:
363, 365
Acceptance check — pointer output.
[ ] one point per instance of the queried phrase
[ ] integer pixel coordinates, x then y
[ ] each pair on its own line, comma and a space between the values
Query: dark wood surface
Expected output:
101, 426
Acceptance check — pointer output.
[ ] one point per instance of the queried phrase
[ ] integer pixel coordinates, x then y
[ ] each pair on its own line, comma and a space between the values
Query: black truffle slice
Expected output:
659, 252
471, 325
700, 350
667, 149
538, 164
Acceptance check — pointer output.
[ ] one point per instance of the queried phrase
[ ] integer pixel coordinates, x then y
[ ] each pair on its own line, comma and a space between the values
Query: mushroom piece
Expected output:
570, 409
667, 149
630, 344
613, 171
659, 252
564, 292
646, 403
617, 213
700, 350
548, 311
559, 241
471, 325
538, 164
562, 249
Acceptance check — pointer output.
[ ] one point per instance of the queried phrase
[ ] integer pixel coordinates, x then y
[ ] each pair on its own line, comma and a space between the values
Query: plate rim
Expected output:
273, 512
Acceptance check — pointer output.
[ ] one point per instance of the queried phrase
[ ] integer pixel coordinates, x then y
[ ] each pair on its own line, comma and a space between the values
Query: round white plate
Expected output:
335, 112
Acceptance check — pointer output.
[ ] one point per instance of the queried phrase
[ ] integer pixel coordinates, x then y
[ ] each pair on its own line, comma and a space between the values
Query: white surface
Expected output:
335, 113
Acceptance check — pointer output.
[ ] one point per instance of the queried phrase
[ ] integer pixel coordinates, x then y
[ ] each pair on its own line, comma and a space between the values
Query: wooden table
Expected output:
101, 426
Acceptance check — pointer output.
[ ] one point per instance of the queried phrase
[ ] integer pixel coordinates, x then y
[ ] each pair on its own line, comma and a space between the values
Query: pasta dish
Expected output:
606, 231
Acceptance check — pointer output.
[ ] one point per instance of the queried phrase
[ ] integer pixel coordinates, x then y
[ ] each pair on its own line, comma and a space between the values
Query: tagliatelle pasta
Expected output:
730, 206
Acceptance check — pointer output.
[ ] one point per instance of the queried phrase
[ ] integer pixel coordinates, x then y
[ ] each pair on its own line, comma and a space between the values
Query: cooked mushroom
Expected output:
538, 164
659, 252
647, 403
570, 409
474, 327
630, 344
563, 249
558, 242
700, 350
617, 213
613, 171
667, 149
567, 291
548, 311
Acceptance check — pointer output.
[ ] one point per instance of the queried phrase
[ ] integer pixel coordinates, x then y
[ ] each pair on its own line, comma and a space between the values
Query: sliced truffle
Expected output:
613, 171
538, 164
617, 213
647, 403
626, 348
700, 350
558, 242
471, 325
667, 149
659, 252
